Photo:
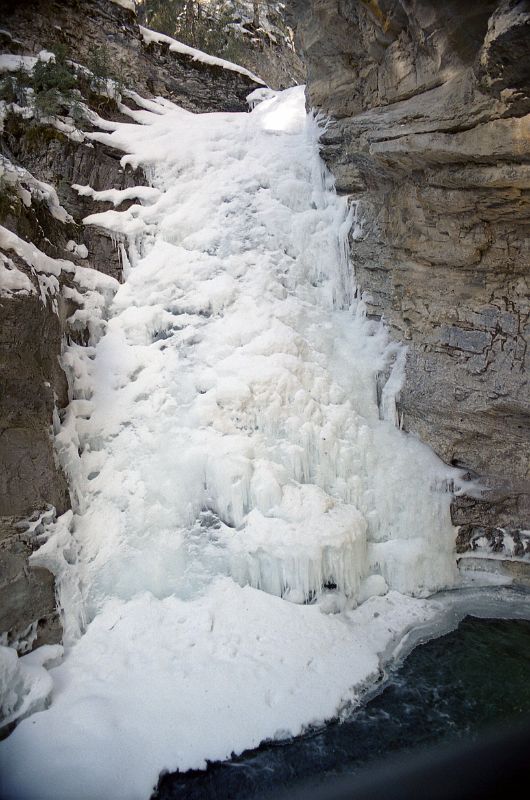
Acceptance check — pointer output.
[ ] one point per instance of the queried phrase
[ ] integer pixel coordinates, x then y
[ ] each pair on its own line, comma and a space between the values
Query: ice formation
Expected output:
232, 477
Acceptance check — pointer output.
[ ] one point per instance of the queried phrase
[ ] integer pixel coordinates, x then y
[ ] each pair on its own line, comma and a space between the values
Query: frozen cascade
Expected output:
224, 437
233, 340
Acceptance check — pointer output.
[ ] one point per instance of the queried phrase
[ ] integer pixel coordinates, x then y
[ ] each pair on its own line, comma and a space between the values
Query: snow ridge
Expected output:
197, 55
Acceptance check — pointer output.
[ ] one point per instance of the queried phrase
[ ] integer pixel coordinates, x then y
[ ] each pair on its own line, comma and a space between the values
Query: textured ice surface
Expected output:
226, 454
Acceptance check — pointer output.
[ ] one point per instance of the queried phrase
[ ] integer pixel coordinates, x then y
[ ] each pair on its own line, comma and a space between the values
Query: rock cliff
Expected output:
430, 136
42, 155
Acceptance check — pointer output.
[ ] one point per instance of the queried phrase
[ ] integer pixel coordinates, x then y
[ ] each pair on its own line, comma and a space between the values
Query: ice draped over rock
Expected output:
225, 450
229, 345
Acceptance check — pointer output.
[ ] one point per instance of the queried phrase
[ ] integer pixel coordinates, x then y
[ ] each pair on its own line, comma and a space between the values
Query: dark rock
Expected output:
28, 614
151, 70
31, 384
53, 158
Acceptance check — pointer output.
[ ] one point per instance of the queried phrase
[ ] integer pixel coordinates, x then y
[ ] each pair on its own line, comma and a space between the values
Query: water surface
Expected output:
448, 688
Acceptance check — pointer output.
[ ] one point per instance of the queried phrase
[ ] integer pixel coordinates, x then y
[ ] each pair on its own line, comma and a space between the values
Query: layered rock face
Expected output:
38, 311
430, 136
152, 69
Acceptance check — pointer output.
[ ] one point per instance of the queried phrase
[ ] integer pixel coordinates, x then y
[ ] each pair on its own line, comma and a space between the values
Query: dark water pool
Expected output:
447, 688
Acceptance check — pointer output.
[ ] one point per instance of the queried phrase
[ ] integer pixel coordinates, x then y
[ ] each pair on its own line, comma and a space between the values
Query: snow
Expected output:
79, 250
130, 5
40, 262
244, 524
225, 676
11, 63
197, 55
25, 686
118, 196
258, 95
94, 289
18, 177
32, 255
12, 279
70, 131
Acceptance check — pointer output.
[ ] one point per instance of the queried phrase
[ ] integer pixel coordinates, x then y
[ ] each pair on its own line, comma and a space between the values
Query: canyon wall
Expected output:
37, 310
430, 135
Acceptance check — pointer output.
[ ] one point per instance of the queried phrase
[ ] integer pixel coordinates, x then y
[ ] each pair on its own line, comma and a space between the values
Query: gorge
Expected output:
245, 360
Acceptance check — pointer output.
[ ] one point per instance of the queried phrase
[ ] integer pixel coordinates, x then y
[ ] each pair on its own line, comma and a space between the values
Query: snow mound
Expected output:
25, 686
168, 683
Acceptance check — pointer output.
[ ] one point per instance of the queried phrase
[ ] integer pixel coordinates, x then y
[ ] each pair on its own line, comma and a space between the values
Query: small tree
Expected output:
163, 15
100, 65
48, 103
53, 83
54, 74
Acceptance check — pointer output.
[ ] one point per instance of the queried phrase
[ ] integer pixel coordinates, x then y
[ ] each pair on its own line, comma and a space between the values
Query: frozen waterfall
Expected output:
231, 473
